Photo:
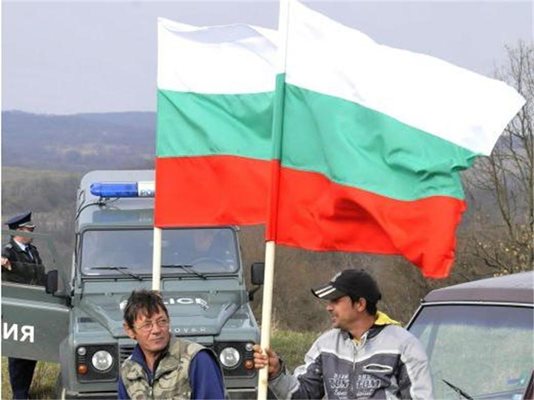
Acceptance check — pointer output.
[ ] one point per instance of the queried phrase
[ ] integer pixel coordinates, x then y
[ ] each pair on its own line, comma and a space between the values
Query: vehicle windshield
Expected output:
485, 351
184, 251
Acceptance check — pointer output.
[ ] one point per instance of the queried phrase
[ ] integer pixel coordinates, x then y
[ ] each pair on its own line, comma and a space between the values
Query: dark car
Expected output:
479, 337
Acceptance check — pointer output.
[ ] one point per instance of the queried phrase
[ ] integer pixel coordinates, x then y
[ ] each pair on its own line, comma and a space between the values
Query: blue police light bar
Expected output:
123, 189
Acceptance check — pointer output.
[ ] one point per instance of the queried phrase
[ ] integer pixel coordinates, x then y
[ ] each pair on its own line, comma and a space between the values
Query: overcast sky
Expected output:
100, 56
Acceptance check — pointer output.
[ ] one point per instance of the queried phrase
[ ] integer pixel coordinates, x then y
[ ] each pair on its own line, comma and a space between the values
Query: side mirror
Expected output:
256, 277
257, 271
51, 281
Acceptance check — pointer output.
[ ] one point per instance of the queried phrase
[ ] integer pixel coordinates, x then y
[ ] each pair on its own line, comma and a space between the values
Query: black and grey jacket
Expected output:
25, 268
389, 362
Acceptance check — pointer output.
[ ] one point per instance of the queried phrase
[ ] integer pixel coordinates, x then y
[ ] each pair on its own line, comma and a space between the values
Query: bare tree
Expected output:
504, 240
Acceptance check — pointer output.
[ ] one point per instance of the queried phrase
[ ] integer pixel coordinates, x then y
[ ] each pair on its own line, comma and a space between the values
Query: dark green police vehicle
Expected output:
76, 319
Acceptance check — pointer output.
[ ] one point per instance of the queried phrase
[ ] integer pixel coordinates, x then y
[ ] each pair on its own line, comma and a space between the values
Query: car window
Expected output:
486, 351
205, 250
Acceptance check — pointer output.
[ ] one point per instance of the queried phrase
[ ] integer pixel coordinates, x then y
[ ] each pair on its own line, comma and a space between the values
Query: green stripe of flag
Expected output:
362, 148
192, 124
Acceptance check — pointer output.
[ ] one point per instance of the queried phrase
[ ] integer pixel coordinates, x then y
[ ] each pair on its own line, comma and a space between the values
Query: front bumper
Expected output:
235, 393
87, 395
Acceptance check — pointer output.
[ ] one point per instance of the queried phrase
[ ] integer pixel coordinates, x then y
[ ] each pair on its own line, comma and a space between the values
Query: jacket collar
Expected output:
381, 321
139, 357
19, 247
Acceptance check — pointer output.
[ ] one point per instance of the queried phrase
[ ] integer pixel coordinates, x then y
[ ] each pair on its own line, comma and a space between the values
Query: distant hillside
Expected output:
83, 142
79, 142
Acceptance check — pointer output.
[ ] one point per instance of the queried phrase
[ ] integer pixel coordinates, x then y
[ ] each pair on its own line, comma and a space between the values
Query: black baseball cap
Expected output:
350, 282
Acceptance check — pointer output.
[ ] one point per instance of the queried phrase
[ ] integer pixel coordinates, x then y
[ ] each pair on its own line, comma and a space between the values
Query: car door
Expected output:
34, 322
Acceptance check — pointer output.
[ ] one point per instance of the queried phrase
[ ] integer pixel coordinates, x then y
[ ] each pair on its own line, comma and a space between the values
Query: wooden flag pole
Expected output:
156, 259
266, 312
278, 116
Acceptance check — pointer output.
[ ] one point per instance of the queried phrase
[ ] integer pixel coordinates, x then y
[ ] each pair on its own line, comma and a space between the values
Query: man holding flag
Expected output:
366, 354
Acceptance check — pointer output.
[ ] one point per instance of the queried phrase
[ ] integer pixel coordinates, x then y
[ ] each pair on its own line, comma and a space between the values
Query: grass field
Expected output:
290, 345
43, 384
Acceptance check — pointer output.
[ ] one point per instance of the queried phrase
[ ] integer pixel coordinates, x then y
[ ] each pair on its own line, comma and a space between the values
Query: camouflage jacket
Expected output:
170, 379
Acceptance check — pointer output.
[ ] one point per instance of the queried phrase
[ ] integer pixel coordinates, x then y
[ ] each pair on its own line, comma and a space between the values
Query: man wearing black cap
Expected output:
366, 355
21, 263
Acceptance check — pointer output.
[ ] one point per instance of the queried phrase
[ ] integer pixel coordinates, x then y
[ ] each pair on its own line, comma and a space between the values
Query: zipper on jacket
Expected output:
354, 354
356, 346
151, 385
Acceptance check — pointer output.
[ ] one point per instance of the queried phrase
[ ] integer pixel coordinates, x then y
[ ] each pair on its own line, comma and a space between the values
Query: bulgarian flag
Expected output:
368, 140
371, 143
213, 145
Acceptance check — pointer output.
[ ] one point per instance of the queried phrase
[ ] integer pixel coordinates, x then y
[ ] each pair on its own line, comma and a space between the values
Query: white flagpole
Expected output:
156, 259
270, 246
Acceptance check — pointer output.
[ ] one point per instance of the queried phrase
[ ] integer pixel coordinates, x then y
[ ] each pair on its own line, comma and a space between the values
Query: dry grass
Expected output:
43, 384
292, 346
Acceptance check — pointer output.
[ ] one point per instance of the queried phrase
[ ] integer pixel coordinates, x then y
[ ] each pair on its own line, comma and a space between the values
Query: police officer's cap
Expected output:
23, 220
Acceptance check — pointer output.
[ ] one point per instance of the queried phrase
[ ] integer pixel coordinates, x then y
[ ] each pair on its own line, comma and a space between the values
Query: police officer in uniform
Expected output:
21, 263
